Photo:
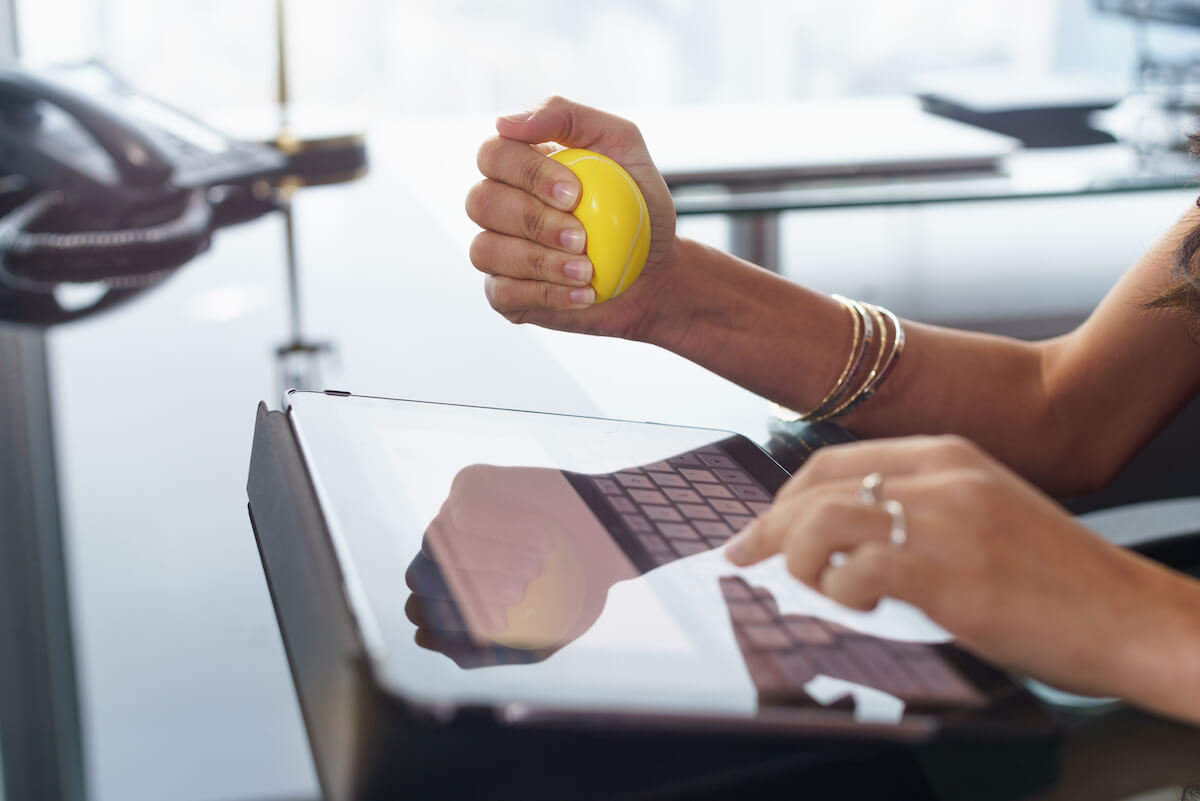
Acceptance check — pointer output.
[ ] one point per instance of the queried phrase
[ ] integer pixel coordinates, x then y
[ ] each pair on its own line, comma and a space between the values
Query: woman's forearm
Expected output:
789, 343
1153, 644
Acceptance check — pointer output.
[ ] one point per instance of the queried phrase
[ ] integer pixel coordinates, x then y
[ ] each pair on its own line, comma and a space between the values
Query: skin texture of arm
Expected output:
1086, 401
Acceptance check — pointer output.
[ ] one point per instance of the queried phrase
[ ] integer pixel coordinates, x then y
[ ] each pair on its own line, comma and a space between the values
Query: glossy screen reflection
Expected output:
501, 557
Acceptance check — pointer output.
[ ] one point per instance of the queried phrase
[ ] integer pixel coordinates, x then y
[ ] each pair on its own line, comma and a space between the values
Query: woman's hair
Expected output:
1185, 292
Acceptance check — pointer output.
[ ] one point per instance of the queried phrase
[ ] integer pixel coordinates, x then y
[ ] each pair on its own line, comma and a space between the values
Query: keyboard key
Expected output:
688, 548
766, 676
806, 631
833, 662
661, 467
838, 630
735, 589
647, 496
695, 511
701, 476
716, 460
748, 613
738, 522
940, 683
638, 524
713, 528
713, 490
688, 459
607, 486
654, 543
668, 480
749, 492
767, 636
661, 559
795, 669
730, 507
678, 531
766, 600
886, 672
900, 648
733, 476
683, 495
716, 542
667, 513
623, 505
758, 507
638, 481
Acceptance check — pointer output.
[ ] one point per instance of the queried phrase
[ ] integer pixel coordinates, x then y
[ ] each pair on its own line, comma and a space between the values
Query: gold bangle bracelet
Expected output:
890, 365
872, 311
858, 351
857, 325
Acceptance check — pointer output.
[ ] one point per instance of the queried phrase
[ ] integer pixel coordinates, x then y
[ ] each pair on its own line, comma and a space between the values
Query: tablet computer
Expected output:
555, 572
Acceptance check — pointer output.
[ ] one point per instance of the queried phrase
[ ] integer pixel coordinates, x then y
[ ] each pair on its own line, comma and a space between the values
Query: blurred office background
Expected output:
377, 59
419, 56
184, 690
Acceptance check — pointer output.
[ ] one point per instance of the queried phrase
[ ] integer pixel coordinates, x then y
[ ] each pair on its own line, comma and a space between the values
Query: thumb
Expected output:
557, 119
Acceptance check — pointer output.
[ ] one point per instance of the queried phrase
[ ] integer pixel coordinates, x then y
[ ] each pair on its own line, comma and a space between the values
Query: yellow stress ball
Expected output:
615, 217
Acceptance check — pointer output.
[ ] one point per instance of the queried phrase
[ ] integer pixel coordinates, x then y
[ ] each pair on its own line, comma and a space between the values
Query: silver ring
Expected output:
871, 490
899, 531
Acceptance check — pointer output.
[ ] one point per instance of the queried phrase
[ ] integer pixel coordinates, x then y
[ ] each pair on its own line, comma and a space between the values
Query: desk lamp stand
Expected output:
326, 160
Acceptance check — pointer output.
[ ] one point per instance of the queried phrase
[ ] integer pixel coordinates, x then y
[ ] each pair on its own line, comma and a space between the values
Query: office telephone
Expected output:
105, 186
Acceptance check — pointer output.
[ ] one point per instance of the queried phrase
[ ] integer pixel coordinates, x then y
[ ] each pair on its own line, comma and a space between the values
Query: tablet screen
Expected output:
513, 558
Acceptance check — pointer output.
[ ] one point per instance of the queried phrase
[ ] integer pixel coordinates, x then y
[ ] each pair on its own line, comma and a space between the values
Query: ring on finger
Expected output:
871, 491
898, 534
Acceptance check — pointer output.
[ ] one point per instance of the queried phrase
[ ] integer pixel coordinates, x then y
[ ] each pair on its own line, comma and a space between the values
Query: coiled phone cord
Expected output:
121, 259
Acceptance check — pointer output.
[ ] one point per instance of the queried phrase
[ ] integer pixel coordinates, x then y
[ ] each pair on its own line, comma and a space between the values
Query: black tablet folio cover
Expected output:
368, 743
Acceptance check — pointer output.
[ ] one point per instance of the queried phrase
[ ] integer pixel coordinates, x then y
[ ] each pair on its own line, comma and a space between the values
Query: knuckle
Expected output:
876, 561
476, 202
545, 294
534, 222
532, 175
953, 450
544, 264
480, 251
630, 131
485, 157
826, 508
972, 486
799, 565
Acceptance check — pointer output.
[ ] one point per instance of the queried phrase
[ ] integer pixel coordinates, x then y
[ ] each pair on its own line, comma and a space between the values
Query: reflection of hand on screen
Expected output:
522, 558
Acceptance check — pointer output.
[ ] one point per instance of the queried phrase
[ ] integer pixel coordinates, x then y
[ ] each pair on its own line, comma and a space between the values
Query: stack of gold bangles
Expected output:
878, 341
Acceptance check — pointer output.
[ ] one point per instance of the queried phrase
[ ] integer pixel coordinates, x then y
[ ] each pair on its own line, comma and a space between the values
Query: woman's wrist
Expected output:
670, 309
1153, 651
754, 327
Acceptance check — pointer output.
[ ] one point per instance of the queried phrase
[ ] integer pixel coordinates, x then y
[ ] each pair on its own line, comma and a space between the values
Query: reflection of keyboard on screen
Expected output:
686, 504
784, 652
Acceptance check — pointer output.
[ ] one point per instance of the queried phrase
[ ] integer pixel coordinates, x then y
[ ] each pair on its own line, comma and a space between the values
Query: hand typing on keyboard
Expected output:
998, 564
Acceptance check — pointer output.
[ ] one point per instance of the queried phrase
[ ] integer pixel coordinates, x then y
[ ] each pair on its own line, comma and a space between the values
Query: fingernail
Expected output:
578, 270
736, 549
572, 240
565, 195
584, 296
521, 116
